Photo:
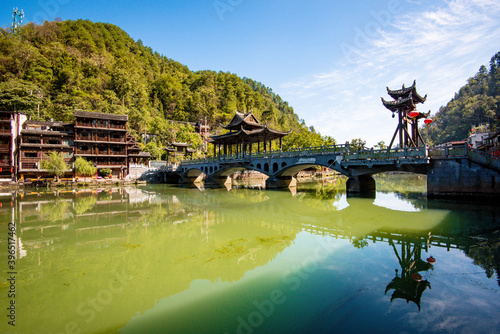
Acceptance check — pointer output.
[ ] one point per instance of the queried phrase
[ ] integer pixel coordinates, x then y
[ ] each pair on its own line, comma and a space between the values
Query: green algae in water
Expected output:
231, 248
131, 246
277, 239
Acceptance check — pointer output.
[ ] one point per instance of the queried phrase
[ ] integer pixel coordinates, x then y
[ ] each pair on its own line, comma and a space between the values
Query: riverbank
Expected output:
91, 183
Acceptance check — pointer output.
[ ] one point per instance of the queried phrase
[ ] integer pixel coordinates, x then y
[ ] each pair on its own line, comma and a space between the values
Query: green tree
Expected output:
381, 145
20, 96
155, 149
105, 172
477, 102
54, 163
357, 144
84, 167
60, 66
186, 134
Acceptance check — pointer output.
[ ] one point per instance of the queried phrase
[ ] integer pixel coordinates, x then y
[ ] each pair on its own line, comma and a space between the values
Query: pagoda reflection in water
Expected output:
408, 284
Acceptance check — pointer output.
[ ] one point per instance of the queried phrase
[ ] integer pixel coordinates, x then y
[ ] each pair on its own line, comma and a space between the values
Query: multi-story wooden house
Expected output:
102, 139
38, 138
98, 137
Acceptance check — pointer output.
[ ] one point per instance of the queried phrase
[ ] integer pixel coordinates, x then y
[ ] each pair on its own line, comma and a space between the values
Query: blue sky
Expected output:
331, 60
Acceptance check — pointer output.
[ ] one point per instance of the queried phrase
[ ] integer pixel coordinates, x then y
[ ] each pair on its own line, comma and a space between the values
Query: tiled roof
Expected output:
100, 115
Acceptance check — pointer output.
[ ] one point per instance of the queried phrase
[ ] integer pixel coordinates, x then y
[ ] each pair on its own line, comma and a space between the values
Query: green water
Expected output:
161, 259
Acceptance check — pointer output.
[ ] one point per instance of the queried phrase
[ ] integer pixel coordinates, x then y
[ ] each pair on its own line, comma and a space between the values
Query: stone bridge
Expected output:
452, 171
282, 167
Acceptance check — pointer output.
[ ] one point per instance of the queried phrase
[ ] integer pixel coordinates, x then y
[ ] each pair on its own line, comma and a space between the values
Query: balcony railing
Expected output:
118, 126
88, 138
30, 159
86, 124
99, 125
29, 165
83, 151
101, 139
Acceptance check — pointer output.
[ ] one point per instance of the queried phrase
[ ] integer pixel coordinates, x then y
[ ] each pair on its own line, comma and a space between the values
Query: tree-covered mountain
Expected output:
48, 71
478, 102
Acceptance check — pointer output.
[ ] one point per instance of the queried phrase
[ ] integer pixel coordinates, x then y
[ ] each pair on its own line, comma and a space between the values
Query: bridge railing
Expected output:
394, 153
276, 153
448, 151
465, 151
484, 158
345, 150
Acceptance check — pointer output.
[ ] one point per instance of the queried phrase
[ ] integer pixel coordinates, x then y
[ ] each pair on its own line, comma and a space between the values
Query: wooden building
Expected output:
135, 154
491, 144
178, 149
38, 138
102, 139
245, 132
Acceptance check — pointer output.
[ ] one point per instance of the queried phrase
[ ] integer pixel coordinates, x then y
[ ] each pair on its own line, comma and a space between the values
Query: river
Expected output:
163, 259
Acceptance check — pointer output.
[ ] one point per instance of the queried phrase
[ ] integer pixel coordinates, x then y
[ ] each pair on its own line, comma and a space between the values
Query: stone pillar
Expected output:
215, 181
361, 184
190, 179
279, 182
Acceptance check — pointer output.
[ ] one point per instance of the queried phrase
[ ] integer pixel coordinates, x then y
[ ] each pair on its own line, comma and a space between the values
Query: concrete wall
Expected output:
461, 177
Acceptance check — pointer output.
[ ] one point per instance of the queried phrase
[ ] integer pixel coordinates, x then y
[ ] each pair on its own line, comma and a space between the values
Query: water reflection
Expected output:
107, 255
408, 283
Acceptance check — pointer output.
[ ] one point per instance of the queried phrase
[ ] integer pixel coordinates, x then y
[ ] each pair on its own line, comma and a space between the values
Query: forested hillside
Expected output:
49, 70
478, 102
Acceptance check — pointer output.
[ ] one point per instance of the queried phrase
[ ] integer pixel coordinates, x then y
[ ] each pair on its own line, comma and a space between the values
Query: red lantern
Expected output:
413, 113
427, 121
416, 277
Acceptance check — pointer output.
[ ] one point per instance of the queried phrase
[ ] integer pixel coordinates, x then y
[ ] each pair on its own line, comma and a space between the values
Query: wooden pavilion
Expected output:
179, 149
404, 104
135, 153
244, 131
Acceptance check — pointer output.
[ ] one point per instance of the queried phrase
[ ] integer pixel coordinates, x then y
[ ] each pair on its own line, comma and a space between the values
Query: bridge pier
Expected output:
218, 181
461, 177
191, 179
279, 182
361, 184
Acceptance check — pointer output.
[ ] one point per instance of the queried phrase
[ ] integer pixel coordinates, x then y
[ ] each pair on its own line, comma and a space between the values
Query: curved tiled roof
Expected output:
249, 120
250, 136
405, 92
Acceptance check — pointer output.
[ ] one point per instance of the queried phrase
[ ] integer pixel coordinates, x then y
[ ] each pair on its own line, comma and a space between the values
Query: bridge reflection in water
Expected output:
177, 254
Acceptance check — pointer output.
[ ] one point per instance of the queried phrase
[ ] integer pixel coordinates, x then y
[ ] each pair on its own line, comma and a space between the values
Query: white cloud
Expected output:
440, 47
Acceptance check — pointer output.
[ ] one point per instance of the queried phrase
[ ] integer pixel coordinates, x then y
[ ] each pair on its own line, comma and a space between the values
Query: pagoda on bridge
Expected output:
404, 104
244, 131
